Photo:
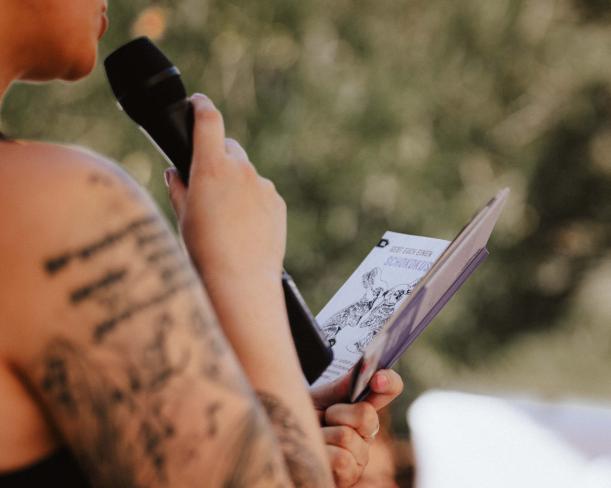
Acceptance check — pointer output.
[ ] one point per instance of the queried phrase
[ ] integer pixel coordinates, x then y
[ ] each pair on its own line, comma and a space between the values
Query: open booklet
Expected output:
395, 293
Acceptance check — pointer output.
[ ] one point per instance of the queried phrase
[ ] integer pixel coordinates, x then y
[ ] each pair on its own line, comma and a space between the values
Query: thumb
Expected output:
177, 192
386, 385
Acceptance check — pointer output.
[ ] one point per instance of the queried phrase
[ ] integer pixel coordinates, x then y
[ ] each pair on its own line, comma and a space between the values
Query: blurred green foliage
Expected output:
405, 115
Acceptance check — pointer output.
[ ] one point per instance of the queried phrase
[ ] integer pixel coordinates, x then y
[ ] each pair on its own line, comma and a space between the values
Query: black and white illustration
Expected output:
383, 308
376, 289
351, 315
370, 311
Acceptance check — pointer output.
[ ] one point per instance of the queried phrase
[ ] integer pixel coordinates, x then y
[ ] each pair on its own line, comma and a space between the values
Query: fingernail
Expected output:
200, 97
167, 176
381, 381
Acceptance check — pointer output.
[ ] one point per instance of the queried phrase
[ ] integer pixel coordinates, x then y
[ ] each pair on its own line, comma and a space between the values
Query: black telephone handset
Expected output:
314, 351
149, 89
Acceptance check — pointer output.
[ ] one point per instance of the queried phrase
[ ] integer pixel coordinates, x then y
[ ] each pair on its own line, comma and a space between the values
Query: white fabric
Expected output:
471, 441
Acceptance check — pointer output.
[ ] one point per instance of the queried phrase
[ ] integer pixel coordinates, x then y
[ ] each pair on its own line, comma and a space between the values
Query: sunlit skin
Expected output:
42, 40
51, 39
34, 46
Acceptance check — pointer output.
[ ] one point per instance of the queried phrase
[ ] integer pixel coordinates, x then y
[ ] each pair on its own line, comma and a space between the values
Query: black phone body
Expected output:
314, 351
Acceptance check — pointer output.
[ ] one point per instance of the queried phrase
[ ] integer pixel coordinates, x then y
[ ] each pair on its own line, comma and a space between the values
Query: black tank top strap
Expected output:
58, 469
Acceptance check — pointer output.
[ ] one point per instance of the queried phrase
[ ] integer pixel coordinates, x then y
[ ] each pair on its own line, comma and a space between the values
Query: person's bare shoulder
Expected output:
56, 201
43, 180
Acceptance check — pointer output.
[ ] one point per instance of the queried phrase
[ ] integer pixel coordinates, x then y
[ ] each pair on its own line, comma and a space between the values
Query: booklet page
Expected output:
363, 305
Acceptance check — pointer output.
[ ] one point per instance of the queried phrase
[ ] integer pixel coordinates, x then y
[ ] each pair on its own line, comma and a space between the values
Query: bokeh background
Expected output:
405, 115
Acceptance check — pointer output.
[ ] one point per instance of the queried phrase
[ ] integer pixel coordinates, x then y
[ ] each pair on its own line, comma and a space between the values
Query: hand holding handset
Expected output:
149, 89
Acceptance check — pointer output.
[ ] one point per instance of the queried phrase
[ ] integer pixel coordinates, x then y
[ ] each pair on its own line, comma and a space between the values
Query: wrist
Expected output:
217, 273
247, 305
244, 285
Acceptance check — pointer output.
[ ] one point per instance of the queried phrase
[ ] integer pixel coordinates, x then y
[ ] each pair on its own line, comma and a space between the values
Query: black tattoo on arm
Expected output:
103, 405
56, 264
305, 469
108, 325
108, 280
123, 396
157, 253
86, 398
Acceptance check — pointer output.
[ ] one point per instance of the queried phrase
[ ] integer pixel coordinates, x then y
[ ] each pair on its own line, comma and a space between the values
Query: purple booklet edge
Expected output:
389, 358
392, 355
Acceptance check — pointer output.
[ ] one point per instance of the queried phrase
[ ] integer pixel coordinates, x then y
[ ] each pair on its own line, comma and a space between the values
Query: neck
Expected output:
9, 71
5, 82
11, 51
7, 77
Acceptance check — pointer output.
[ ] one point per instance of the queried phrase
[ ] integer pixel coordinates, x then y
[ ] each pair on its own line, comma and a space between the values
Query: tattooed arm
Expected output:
105, 322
